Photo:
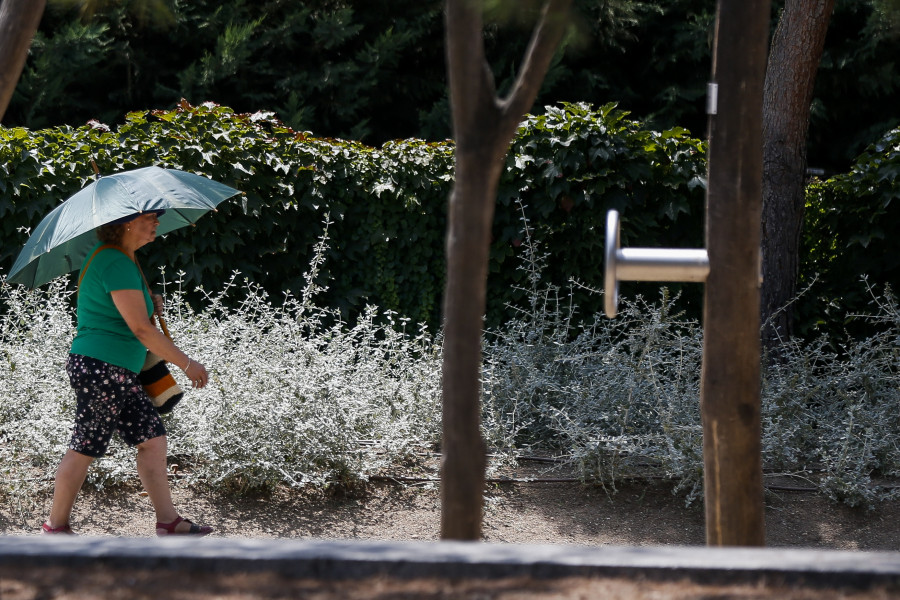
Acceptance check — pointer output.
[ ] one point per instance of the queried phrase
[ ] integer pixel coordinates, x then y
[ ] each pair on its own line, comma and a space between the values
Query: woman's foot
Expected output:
182, 526
62, 529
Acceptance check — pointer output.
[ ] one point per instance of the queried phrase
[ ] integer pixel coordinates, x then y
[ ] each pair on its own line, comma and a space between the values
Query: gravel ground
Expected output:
637, 514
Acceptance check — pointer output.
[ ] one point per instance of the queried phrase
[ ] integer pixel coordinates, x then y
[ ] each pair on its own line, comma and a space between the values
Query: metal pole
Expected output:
668, 264
730, 386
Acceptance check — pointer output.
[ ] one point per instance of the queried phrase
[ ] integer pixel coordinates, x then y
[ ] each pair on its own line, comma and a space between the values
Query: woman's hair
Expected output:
111, 234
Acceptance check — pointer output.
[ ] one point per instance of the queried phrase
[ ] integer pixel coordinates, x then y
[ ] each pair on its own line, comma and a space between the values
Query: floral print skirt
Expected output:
109, 399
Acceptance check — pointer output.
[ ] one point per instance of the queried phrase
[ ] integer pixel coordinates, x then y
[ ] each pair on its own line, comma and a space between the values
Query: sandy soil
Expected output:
538, 512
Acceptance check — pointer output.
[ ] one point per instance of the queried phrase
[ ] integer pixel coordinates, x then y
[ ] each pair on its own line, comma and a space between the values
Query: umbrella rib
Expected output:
183, 216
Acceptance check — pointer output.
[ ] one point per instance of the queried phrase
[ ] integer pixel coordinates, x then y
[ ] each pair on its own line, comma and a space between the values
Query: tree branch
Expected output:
544, 42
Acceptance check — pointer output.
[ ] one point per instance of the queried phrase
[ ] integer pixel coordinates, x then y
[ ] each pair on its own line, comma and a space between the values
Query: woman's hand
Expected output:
196, 372
133, 308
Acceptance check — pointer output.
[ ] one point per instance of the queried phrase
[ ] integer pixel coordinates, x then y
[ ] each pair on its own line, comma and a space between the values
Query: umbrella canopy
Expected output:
63, 238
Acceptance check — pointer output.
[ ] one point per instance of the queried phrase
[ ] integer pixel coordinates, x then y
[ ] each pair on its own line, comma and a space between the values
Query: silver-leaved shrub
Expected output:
297, 397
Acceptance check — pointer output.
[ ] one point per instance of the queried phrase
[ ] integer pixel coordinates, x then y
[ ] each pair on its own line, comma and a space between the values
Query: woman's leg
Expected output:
151, 466
94, 408
70, 476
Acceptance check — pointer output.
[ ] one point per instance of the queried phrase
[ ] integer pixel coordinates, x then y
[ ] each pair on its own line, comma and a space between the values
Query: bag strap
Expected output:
88, 263
162, 321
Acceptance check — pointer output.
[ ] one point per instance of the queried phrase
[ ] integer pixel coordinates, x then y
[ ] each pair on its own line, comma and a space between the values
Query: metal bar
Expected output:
646, 264
662, 264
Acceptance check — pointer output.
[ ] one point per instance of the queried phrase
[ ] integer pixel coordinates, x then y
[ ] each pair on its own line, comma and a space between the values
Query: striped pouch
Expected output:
159, 384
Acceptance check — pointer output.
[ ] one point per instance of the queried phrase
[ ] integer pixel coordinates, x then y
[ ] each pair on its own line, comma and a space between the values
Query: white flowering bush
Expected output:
609, 396
615, 398
291, 400
297, 397
36, 331
833, 413
620, 398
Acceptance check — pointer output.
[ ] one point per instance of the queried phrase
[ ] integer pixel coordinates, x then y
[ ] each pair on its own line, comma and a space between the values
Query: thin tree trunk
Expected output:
19, 21
483, 129
794, 59
471, 213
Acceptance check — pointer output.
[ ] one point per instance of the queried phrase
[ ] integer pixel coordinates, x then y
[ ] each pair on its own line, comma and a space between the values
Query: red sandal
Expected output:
62, 529
163, 529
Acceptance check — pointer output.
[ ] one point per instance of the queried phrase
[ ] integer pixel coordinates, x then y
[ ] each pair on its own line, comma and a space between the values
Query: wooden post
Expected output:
730, 384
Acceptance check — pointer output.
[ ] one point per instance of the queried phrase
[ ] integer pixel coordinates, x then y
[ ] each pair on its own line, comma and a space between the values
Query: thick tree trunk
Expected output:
483, 129
793, 61
19, 21
730, 386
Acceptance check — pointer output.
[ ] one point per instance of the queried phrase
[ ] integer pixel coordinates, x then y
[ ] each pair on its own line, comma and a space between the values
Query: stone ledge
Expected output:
345, 559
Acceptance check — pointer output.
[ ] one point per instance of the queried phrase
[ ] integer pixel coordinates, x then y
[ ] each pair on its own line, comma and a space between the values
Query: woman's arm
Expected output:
132, 307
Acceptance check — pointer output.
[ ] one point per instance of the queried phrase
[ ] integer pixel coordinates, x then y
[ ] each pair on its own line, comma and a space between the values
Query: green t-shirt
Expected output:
102, 332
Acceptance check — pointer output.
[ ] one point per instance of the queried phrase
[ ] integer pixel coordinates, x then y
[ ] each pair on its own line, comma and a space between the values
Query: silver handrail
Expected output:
646, 264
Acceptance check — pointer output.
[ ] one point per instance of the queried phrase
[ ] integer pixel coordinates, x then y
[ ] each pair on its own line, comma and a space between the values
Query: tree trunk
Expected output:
19, 21
471, 213
730, 386
793, 61
483, 128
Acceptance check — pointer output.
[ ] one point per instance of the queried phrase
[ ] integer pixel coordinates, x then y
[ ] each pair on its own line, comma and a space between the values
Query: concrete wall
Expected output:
79, 567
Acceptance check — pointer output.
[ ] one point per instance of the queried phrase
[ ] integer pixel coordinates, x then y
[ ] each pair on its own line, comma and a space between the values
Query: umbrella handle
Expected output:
165, 329
162, 321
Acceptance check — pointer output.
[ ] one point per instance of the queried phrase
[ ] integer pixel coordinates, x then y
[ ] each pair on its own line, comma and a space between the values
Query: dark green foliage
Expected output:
387, 205
358, 69
291, 180
374, 70
857, 95
337, 68
568, 167
659, 72
852, 231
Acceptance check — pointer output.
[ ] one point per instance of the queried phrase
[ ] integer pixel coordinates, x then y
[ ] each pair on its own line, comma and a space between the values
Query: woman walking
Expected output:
115, 330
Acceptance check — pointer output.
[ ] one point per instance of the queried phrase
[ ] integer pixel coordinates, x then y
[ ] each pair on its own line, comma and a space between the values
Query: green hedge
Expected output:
386, 205
852, 230
568, 168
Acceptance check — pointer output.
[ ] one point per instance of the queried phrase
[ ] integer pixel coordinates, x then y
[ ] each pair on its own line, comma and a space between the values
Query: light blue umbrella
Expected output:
63, 238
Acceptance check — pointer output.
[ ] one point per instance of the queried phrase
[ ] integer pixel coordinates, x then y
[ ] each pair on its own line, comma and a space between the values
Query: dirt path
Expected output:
554, 513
